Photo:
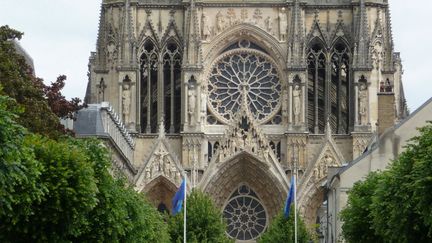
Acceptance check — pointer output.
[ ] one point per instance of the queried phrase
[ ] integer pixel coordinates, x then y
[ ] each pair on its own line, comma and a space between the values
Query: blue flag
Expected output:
289, 198
177, 201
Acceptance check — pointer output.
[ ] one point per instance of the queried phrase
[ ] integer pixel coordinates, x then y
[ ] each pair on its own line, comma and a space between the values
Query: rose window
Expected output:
244, 77
245, 215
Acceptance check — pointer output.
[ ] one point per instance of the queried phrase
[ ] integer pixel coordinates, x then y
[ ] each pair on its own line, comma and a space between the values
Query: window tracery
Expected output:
172, 87
245, 215
153, 82
244, 76
329, 87
148, 93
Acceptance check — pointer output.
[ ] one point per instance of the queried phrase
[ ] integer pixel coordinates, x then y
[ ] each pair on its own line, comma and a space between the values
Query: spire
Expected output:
361, 49
296, 48
128, 36
389, 37
192, 38
100, 38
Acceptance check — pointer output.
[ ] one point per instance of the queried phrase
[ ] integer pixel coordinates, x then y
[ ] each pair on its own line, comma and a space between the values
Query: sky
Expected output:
60, 34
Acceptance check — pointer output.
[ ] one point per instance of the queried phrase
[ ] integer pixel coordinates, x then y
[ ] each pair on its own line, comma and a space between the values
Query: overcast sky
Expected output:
60, 34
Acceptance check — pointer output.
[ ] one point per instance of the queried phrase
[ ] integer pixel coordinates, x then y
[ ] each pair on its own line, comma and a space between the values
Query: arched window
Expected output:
160, 91
246, 217
328, 87
316, 87
172, 86
339, 89
149, 87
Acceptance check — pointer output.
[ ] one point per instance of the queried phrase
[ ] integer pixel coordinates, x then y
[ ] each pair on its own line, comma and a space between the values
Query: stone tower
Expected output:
238, 93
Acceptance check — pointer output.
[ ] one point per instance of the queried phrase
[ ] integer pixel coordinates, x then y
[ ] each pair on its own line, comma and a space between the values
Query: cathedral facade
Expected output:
239, 94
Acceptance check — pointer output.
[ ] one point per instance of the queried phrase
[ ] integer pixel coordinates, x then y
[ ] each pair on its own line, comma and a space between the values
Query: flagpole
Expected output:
295, 199
184, 209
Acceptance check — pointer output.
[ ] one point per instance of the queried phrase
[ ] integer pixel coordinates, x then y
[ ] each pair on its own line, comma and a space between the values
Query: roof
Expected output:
374, 145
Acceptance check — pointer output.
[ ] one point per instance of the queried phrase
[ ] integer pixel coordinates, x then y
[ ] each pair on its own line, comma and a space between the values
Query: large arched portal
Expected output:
160, 191
248, 192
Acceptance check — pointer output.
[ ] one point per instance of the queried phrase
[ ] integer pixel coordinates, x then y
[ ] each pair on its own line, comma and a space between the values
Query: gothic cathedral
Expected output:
238, 94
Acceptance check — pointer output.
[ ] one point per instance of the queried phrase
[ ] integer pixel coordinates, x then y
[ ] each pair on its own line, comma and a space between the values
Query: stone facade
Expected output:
246, 92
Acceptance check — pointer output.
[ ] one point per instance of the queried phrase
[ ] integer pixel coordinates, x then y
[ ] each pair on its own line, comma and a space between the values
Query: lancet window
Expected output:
328, 87
149, 68
172, 86
160, 87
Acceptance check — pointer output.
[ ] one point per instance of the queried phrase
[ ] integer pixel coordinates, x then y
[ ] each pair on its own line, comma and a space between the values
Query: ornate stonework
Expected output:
246, 90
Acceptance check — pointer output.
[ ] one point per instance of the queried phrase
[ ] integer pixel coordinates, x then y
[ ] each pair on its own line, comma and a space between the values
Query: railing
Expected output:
115, 129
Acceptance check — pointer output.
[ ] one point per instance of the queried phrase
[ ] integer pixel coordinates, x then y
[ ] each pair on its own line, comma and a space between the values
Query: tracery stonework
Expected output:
237, 95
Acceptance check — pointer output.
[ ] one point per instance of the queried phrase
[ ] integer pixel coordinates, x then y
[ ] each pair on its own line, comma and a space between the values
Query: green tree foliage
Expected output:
121, 215
43, 105
398, 208
61, 191
19, 171
281, 230
357, 215
204, 221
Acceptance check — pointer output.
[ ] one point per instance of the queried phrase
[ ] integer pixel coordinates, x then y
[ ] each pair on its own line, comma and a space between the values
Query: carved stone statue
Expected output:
268, 24
111, 52
126, 101
205, 28
363, 105
203, 110
296, 104
231, 16
282, 24
257, 16
329, 161
220, 23
191, 105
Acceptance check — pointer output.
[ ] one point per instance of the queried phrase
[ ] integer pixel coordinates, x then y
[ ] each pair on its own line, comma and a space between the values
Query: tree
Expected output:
357, 216
43, 105
19, 171
402, 202
70, 193
204, 221
394, 205
281, 230
121, 214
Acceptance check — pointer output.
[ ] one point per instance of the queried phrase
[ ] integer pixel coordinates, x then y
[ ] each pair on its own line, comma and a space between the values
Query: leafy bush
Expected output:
281, 230
204, 221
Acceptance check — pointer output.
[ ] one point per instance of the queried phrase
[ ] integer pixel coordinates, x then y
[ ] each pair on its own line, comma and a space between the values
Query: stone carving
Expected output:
244, 15
282, 24
111, 52
126, 101
191, 105
244, 135
101, 90
220, 22
231, 16
257, 16
205, 28
203, 111
330, 161
386, 87
363, 111
268, 24
296, 104
377, 55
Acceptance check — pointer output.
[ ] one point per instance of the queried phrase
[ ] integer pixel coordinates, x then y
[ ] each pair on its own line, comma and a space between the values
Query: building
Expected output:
238, 94
378, 156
